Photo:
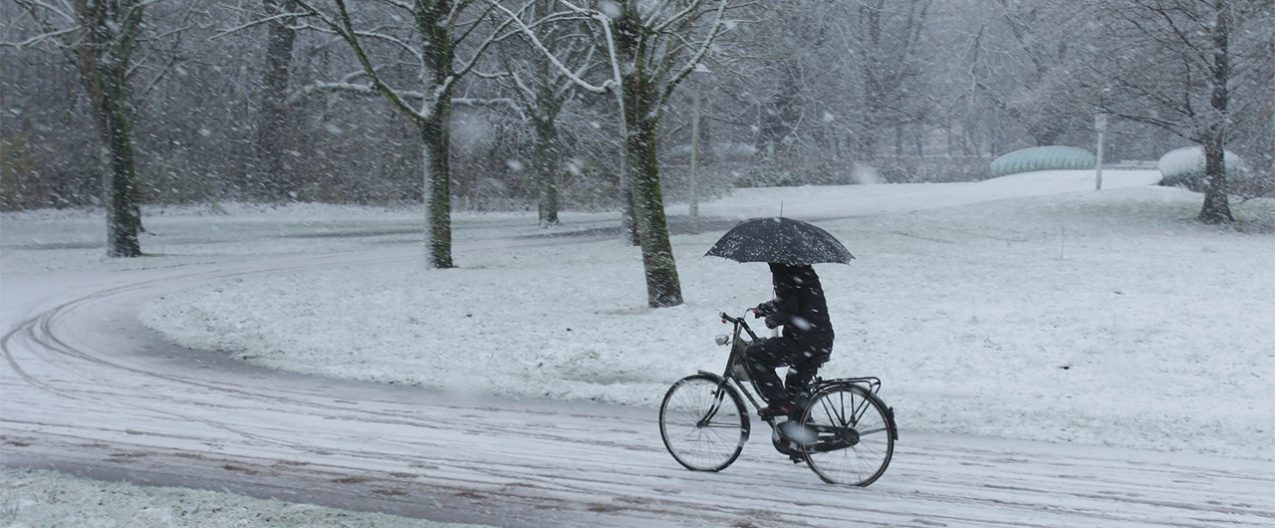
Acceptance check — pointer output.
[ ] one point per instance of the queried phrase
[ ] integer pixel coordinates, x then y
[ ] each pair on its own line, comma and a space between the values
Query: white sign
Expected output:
1100, 122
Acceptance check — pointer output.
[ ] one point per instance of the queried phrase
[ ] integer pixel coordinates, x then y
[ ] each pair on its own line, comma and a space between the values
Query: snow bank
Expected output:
37, 499
1185, 167
1099, 318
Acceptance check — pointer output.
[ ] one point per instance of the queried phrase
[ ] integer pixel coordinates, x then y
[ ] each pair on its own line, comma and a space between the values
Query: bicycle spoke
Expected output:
828, 412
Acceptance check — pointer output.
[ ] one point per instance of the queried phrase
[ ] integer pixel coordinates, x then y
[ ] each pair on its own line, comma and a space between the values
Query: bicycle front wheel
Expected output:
852, 437
703, 423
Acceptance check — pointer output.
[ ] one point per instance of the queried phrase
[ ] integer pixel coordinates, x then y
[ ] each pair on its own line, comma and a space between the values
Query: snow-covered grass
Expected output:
1099, 318
40, 499
57, 241
52, 241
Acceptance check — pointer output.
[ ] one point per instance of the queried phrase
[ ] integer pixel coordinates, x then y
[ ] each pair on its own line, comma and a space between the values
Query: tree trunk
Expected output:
545, 159
436, 137
544, 124
1217, 208
123, 204
873, 96
947, 136
627, 32
438, 52
628, 211
663, 288
269, 175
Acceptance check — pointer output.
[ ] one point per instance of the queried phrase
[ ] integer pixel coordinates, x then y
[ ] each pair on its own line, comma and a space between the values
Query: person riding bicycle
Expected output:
806, 343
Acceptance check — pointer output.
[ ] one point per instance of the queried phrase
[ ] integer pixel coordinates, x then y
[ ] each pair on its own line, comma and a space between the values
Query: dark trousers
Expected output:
803, 358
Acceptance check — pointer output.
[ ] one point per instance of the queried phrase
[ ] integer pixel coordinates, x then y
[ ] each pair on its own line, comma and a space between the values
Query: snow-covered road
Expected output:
87, 389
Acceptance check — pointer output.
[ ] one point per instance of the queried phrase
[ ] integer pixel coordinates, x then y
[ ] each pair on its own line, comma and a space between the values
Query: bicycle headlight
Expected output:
722, 340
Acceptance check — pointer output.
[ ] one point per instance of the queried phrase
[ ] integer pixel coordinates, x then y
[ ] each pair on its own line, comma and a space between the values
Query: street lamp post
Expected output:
700, 72
695, 102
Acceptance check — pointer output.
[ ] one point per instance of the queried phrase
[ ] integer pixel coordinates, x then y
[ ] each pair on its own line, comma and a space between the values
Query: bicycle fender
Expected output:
894, 428
716, 377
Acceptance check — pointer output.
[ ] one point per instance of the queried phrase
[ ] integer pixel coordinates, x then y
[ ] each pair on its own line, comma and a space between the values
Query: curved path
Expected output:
88, 390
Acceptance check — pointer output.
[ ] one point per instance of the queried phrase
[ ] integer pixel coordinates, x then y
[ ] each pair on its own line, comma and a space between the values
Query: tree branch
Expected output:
345, 28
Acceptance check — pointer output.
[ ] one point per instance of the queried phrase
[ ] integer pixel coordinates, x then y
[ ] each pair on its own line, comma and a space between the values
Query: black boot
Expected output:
773, 410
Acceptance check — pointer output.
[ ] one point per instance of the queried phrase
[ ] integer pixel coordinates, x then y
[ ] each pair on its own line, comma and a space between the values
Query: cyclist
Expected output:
806, 343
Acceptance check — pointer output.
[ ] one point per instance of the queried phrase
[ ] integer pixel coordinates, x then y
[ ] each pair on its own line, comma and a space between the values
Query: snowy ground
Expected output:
85, 387
40, 499
1096, 318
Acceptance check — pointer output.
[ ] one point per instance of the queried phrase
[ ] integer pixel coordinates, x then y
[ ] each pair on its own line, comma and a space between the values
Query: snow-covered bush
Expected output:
1042, 158
1184, 167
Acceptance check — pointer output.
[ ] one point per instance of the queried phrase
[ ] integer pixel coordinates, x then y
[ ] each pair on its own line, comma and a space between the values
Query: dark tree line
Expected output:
546, 104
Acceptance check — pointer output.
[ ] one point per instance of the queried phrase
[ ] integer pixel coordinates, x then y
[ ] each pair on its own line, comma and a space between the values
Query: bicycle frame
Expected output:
736, 351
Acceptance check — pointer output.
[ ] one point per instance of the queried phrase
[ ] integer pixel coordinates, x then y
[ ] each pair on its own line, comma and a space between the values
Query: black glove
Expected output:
764, 309
773, 321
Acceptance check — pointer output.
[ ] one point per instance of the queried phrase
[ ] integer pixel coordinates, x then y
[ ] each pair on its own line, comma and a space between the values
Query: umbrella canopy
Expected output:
780, 240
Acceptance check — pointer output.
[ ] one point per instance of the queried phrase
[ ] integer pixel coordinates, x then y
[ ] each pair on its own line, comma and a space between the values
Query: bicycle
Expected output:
845, 432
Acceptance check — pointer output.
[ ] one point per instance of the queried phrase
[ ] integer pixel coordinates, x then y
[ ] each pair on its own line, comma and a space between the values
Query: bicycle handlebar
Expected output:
739, 322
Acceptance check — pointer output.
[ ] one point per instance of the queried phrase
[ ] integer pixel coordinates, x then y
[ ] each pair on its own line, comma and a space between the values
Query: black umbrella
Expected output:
780, 240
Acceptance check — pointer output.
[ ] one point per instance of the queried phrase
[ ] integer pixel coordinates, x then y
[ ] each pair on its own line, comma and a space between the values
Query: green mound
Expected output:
1043, 158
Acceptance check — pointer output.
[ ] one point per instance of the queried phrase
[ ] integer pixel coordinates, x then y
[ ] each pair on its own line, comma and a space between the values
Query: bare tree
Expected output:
541, 88
831, 79
790, 50
652, 47
1024, 60
1188, 55
431, 39
100, 38
885, 39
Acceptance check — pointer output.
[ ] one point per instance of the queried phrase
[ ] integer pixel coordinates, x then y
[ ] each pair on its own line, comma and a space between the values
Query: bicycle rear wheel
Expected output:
852, 438
703, 423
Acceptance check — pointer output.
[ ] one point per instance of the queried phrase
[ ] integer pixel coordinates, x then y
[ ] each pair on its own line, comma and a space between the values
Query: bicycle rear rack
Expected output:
872, 383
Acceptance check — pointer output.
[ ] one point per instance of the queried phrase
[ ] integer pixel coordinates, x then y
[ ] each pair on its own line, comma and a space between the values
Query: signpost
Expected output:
700, 71
1099, 124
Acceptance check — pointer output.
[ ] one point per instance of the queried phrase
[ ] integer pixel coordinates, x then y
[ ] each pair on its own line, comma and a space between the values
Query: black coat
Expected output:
799, 305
